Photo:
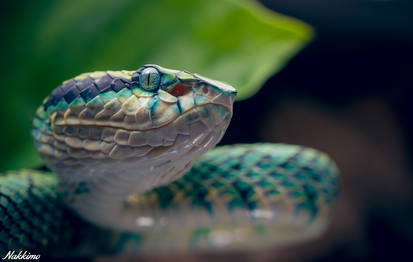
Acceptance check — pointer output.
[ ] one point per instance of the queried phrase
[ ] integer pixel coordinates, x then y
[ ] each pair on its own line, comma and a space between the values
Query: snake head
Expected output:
150, 120
173, 93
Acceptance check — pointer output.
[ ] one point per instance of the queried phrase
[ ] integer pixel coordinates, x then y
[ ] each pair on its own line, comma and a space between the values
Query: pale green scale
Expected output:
283, 154
199, 100
166, 78
176, 109
107, 96
97, 74
186, 102
77, 104
79, 77
322, 161
113, 105
123, 95
121, 74
166, 97
151, 102
41, 125
96, 104
167, 71
222, 86
305, 157
50, 110
41, 113
62, 106
219, 110
183, 76
161, 117
139, 92
131, 105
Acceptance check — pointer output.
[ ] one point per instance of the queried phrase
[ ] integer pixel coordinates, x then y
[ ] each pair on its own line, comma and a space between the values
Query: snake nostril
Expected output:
205, 90
179, 90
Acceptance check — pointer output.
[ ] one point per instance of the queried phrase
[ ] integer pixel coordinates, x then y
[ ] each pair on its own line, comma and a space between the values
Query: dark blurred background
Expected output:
349, 93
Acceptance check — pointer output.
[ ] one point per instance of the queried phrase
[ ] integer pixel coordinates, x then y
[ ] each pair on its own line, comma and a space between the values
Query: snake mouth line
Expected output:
184, 113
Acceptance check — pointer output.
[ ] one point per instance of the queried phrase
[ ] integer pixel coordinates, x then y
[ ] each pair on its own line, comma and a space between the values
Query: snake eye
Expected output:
149, 79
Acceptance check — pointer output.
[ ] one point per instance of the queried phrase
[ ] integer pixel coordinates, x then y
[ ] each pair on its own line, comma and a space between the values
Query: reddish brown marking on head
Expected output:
179, 90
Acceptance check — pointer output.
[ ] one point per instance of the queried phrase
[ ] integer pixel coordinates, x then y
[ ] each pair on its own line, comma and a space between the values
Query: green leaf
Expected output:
239, 42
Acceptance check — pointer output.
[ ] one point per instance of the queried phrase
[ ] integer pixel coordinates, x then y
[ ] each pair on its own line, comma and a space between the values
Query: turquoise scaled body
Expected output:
221, 192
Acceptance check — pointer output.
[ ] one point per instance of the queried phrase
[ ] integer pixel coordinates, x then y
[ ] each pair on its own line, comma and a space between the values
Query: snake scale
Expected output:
118, 144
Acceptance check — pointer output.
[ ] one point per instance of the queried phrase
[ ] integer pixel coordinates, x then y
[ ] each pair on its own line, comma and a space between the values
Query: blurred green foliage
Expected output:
45, 42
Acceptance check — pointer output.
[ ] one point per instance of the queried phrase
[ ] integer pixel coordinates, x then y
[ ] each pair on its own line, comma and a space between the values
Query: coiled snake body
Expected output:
120, 143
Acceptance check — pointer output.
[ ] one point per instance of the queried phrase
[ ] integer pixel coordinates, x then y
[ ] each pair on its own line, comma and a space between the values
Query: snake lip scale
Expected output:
130, 154
227, 108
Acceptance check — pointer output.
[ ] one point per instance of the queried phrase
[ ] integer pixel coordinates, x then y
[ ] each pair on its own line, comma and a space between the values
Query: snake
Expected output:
131, 166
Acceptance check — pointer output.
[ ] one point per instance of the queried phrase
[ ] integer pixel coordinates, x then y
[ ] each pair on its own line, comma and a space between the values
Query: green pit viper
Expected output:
118, 144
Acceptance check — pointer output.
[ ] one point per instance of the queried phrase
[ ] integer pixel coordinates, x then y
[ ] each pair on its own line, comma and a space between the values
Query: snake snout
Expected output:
205, 105
213, 102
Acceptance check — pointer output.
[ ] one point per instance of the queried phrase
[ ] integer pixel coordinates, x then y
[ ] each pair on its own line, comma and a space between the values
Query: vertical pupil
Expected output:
149, 79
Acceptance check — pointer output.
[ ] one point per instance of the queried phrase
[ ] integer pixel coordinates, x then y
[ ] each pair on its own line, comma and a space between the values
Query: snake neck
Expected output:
98, 189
